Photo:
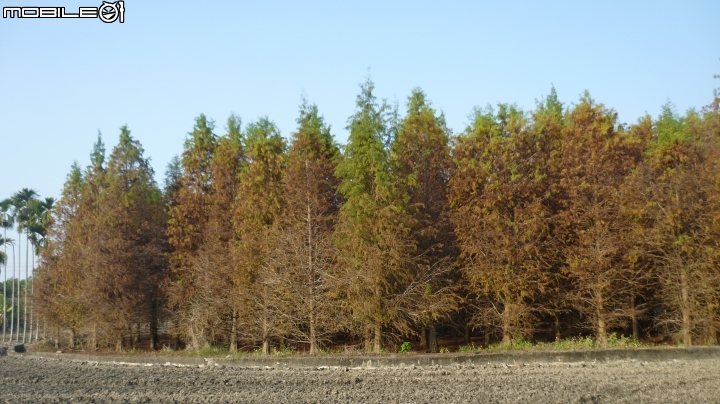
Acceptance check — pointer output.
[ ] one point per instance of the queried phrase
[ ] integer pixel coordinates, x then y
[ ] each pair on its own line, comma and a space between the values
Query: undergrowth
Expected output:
569, 343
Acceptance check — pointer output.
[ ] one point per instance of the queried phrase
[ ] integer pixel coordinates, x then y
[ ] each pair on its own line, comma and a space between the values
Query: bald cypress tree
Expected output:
59, 278
501, 216
213, 265
420, 157
597, 155
188, 218
374, 224
673, 203
129, 256
303, 254
257, 208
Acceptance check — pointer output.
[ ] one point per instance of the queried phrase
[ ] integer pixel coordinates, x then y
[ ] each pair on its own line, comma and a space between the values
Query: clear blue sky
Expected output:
63, 80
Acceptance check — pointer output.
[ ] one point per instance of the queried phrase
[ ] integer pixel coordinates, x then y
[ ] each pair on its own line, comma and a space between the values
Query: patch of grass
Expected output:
569, 343
469, 348
282, 351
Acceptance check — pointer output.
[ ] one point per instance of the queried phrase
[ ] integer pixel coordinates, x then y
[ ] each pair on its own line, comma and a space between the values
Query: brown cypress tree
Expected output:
127, 254
213, 265
257, 208
596, 157
303, 253
420, 156
501, 212
674, 204
58, 298
188, 217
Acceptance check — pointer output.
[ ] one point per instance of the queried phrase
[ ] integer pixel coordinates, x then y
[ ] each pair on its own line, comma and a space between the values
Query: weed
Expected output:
212, 350
405, 347
569, 343
444, 350
469, 348
282, 351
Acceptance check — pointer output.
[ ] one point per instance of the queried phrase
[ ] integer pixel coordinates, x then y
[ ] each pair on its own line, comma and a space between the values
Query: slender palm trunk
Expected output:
5, 287
12, 300
32, 294
27, 268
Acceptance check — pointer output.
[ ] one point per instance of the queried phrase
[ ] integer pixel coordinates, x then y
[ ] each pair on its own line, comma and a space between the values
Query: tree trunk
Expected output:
313, 336
601, 326
424, 338
32, 293
507, 324
558, 333
432, 337
12, 300
134, 331
154, 338
5, 287
633, 317
711, 329
233, 332
72, 339
265, 336
311, 269
487, 335
378, 338
685, 307
27, 257
93, 338
119, 343
367, 339
466, 336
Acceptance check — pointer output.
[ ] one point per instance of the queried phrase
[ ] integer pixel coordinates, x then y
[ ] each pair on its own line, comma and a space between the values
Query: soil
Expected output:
27, 379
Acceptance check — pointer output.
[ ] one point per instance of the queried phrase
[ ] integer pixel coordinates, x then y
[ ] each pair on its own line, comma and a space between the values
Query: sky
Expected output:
64, 80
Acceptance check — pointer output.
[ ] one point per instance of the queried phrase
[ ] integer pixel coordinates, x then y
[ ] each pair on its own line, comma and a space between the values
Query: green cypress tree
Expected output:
373, 229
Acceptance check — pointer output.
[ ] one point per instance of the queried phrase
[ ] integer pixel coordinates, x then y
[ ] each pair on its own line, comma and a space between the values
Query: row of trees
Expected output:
30, 214
541, 224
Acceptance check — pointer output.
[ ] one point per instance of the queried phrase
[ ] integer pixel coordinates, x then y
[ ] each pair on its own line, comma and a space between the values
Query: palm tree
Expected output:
7, 221
21, 201
39, 215
4, 242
